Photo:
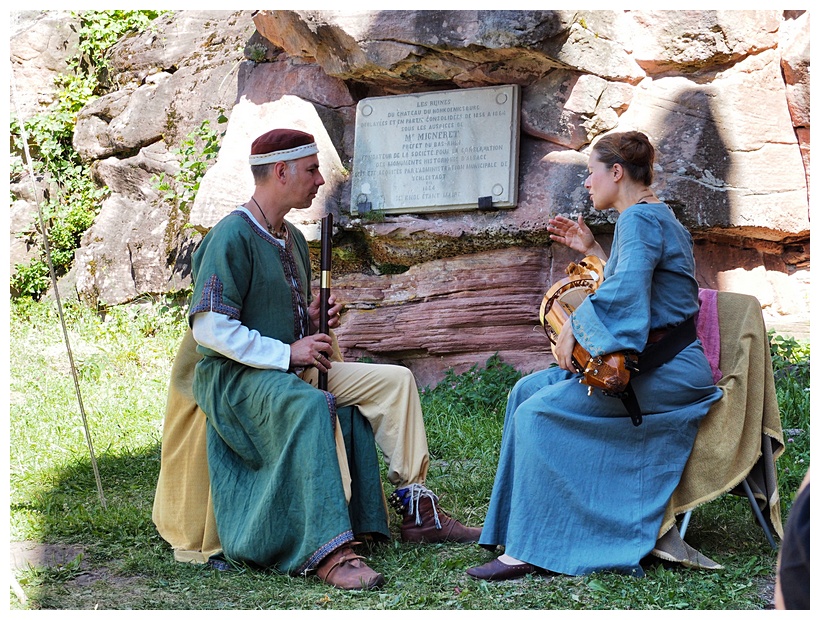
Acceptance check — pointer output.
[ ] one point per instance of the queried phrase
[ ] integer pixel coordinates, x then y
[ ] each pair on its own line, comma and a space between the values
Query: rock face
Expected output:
723, 95
41, 44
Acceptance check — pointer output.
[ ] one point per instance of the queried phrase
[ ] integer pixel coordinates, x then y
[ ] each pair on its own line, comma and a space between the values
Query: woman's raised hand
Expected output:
575, 235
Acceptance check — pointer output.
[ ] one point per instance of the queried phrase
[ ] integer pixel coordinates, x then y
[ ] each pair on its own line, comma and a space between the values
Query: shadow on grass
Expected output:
126, 565
69, 509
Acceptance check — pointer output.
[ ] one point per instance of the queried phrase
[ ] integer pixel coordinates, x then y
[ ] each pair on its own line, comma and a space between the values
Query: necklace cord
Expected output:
277, 234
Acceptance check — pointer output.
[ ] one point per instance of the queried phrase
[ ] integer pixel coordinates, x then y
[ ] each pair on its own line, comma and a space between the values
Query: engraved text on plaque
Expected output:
438, 151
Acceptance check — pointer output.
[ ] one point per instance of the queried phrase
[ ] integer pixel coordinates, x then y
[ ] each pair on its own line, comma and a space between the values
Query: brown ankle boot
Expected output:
343, 569
424, 521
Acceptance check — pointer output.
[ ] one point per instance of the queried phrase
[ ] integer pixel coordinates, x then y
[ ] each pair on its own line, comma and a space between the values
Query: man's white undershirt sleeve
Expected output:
231, 338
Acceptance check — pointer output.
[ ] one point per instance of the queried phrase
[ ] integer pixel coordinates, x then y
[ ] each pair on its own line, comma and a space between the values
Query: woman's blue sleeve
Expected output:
617, 316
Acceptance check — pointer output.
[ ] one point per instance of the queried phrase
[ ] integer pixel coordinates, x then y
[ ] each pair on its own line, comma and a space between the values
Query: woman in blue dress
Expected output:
580, 488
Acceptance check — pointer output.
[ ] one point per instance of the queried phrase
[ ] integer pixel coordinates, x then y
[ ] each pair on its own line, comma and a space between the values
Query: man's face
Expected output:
304, 180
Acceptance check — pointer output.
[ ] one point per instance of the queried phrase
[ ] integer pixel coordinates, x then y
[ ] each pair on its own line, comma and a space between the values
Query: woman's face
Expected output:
601, 183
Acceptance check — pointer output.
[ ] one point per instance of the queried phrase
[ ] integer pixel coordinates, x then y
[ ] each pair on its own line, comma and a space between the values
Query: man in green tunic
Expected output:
279, 471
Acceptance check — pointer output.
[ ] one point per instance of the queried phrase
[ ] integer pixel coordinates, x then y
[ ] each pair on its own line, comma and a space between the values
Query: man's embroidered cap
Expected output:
282, 145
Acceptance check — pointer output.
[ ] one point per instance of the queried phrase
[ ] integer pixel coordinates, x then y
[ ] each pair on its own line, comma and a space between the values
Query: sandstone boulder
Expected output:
796, 63
23, 246
134, 243
571, 108
40, 42
401, 49
689, 41
728, 157
457, 311
230, 183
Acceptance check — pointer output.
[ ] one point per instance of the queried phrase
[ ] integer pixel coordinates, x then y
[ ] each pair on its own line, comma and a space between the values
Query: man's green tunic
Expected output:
277, 490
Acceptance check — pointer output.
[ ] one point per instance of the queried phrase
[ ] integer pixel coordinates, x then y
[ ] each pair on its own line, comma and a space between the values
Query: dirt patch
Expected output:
35, 556
25, 556
31, 555
766, 591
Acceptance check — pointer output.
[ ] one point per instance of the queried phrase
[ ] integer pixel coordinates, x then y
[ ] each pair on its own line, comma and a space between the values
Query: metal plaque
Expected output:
438, 151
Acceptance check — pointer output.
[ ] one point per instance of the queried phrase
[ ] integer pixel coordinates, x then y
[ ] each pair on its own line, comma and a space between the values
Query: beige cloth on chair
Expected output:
182, 511
740, 438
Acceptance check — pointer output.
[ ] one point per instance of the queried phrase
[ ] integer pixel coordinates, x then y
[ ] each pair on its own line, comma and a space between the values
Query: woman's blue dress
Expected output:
579, 488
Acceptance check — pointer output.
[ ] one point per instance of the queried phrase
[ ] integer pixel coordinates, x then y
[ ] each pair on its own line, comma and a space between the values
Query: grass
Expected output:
124, 362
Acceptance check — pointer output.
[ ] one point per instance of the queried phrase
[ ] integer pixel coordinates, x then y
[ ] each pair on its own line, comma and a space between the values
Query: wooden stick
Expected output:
324, 285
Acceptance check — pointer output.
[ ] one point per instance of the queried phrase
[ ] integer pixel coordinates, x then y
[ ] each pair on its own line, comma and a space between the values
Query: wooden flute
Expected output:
324, 285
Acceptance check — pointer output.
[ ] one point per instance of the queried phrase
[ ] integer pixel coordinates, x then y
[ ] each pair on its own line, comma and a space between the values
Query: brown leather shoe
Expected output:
343, 569
425, 521
496, 570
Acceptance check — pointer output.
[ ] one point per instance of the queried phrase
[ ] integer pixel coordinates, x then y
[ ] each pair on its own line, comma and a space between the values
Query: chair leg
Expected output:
758, 514
684, 524
755, 508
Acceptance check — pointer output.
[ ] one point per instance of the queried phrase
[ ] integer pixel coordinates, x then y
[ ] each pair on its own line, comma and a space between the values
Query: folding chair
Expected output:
741, 437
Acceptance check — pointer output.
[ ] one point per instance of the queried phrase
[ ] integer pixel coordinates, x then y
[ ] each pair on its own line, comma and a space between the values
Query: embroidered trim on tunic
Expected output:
211, 300
301, 325
322, 552
331, 406
254, 227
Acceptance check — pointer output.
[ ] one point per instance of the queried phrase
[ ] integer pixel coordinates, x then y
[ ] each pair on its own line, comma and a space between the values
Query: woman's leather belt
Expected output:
662, 346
